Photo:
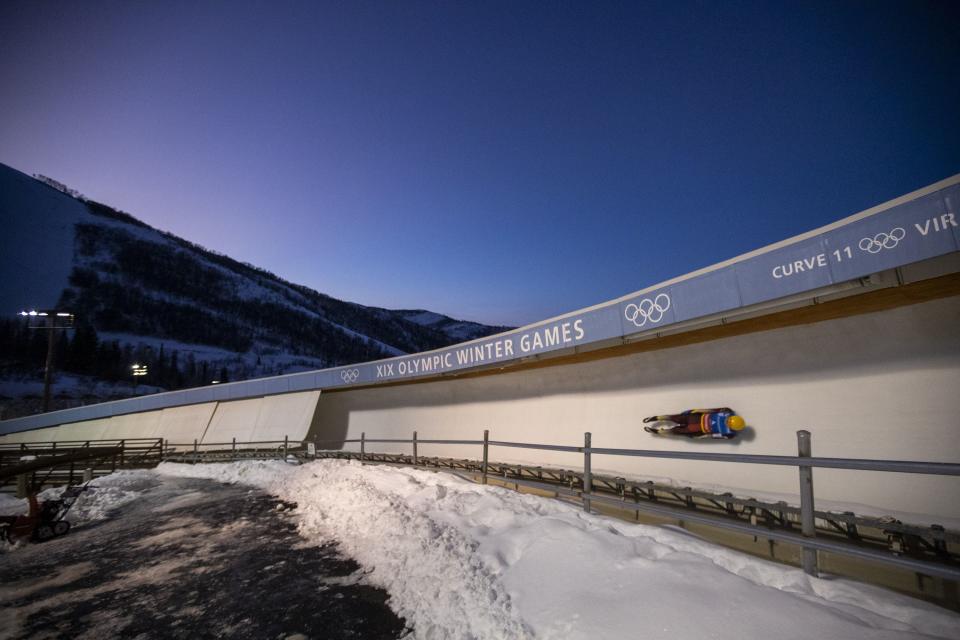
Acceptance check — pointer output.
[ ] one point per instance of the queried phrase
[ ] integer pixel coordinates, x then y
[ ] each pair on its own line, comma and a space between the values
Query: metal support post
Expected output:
587, 476
195, 451
286, 445
363, 446
414, 448
48, 367
486, 450
807, 521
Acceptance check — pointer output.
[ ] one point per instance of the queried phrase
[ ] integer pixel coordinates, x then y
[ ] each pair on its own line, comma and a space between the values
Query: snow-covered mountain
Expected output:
147, 293
458, 330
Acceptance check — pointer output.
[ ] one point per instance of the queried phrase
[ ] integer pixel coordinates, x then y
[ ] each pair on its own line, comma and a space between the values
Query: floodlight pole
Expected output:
48, 368
52, 320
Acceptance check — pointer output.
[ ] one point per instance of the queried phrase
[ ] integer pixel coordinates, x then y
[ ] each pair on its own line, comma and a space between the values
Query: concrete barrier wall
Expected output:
263, 419
284, 416
883, 385
89, 430
177, 424
268, 418
236, 419
920, 227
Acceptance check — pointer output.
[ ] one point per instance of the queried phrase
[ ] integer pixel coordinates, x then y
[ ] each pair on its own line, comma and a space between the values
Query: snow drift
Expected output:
467, 561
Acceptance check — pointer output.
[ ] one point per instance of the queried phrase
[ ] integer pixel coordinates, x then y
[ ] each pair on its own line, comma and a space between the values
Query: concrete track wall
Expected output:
883, 385
255, 419
268, 418
920, 236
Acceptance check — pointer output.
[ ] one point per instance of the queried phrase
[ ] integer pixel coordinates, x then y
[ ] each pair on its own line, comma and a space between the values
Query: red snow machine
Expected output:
45, 519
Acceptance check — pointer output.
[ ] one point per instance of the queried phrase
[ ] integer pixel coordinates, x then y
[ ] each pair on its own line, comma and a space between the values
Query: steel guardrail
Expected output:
853, 464
803, 461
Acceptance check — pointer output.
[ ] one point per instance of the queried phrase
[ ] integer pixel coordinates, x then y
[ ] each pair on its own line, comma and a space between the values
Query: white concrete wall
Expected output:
283, 416
88, 430
179, 425
269, 418
883, 385
263, 419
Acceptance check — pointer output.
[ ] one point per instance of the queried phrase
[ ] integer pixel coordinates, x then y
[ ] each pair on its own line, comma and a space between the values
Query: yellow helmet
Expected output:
736, 423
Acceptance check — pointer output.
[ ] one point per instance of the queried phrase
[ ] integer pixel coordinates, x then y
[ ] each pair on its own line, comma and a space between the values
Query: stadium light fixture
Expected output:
137, 370
50, 320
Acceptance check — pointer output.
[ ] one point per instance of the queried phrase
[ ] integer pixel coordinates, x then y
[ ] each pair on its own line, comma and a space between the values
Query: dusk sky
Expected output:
498, 162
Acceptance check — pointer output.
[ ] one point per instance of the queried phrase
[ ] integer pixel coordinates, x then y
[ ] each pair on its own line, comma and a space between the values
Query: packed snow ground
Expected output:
103, 496
188, 558
462, 560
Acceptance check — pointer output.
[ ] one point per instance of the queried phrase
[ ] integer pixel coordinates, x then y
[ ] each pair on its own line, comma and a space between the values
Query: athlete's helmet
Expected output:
736, 423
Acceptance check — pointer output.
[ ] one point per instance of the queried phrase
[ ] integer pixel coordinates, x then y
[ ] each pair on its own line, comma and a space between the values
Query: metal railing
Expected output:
57, 463
585, 486
197, 451
804, 461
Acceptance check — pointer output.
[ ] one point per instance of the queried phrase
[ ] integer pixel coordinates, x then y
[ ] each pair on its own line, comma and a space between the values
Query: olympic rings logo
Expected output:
882, 241
350, 375
647, 310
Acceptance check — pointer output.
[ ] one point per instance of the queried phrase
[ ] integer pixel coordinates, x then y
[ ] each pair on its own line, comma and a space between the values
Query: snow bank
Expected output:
106, 494
11, 506
103, 496
467, 561
435, 576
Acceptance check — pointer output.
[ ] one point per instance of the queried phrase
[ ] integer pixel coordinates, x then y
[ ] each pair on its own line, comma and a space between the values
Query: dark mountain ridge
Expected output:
140, 294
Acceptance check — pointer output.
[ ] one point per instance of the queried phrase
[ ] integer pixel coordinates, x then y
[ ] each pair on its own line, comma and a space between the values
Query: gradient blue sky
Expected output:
500, 162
